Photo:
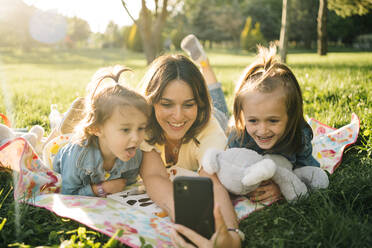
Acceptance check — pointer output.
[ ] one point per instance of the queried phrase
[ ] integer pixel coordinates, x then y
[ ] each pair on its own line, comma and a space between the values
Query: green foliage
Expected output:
14, 24
249, 37
176, 37
268, 13
112, 36
78, 32
302, 22
134, 42
347, 8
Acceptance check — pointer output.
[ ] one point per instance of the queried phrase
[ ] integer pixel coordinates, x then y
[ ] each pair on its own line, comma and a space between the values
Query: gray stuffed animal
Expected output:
241, 171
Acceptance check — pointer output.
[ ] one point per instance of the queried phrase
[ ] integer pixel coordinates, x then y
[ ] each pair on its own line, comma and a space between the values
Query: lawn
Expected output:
334, 87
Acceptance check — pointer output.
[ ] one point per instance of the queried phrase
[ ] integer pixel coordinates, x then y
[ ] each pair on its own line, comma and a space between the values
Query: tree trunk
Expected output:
150, 30
322, 28
283, 42
144, 28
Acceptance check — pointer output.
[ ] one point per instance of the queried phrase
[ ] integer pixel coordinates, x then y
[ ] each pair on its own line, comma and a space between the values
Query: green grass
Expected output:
333, 86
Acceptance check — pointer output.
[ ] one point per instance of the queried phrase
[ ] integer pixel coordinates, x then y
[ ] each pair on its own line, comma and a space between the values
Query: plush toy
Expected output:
34, 136
241, 171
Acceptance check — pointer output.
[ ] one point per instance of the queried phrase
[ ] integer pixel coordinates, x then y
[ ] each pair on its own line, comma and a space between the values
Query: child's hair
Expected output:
265, 74
105, 93
164, 70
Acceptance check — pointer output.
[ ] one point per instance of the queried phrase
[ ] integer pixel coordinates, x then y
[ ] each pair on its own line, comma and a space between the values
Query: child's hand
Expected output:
267, 191
114, 186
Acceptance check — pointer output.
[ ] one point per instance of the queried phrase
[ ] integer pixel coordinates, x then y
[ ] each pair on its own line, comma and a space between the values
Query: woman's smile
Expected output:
177, 110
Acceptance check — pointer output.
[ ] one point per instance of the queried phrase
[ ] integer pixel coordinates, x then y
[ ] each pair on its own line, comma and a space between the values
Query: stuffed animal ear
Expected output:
259, 172
6, 133
31, 138
38, 131
210, 161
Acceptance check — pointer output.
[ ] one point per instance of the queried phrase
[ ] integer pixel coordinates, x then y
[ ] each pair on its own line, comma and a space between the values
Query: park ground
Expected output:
334, 87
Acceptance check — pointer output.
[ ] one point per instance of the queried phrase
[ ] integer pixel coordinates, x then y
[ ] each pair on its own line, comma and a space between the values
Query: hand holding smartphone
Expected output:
193, 204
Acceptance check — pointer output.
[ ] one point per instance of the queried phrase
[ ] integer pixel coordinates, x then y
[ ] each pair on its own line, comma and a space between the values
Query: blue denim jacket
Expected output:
302, 158
82, 166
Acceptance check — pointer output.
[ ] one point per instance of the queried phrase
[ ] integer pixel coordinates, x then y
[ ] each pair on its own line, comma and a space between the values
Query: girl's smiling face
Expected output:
265, 116
176, 110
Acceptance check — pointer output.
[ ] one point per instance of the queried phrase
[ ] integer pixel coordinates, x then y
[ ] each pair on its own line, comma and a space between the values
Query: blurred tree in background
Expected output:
251, 35
215, 22
346, 8
78, 32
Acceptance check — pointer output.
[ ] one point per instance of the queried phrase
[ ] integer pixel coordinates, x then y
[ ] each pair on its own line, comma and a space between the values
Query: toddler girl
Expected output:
104, 156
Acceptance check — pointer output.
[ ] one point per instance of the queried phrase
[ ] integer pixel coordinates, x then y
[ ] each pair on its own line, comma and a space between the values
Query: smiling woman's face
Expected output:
176, 110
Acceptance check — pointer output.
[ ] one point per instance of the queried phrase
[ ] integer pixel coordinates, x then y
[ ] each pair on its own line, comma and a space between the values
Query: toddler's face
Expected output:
265, 116
121, 135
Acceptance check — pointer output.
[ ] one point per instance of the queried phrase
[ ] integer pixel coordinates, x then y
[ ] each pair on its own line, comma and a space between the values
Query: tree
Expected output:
347, 8
229, 22
302, 21
283, 42
202, 15
214, 20
113, 37
267, 13
15, 16
249, 37
78, 30
322, 28
134, 39
150, 26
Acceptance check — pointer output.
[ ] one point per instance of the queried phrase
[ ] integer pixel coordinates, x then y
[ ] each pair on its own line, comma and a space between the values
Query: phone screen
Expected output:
193, 204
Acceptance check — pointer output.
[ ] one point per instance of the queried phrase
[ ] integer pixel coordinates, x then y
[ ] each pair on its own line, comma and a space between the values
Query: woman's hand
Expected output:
267, 191
221, 238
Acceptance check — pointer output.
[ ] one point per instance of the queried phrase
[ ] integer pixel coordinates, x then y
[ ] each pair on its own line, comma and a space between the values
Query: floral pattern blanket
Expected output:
39, 185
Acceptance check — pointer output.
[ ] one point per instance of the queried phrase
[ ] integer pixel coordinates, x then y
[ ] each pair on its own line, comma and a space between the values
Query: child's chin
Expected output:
264, 146
126, 158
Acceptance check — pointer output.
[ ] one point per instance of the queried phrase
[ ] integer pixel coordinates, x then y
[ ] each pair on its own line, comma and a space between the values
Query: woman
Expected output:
181, 129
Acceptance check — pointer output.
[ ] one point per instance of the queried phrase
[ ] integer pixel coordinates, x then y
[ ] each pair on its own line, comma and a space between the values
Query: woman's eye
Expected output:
252, 121
274, 121
167, 105
189, 105
126, 130
141, 129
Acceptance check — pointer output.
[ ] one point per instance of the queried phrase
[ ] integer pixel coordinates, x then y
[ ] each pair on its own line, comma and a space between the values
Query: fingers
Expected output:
197, 239
178, 241
266, 182
269, 191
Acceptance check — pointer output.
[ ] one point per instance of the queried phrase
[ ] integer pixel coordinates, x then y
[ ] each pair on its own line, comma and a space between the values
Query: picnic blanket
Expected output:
38, 185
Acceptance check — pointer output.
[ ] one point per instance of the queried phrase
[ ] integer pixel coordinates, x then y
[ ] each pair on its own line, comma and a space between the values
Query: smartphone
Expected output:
193, 204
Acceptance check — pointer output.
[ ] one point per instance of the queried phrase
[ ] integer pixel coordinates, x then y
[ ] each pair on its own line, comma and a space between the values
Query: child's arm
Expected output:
111, 186
72, 176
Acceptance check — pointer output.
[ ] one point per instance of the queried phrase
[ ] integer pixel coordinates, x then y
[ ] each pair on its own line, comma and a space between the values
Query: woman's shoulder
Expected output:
211, 136
212, 128
147, 147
